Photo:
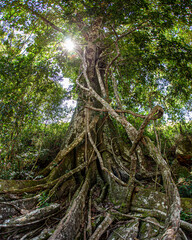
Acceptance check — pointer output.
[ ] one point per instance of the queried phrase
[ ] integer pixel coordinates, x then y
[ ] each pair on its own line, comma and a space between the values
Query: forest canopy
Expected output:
154, 66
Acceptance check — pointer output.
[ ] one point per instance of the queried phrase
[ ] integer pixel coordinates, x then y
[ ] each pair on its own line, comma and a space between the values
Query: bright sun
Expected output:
69, 44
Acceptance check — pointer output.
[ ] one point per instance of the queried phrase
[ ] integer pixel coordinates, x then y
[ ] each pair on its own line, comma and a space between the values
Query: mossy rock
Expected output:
184, 145
150, 199
178, 170
119, 192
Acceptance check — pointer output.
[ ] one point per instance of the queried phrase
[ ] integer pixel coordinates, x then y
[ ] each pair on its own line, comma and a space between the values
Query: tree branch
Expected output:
154, 117
108, 67
45, 20
157, 111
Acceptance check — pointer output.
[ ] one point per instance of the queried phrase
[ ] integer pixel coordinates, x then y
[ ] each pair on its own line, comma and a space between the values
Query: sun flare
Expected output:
69, 44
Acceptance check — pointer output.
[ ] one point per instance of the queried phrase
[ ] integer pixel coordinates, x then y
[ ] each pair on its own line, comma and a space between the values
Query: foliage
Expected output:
36, 146
43, 200
31, 94
185, 187
186, 216
155, 62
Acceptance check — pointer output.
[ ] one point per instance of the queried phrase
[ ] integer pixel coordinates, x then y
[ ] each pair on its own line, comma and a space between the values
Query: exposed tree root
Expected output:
173, 221
45, 234
110, 168
65, 151
47, 185
13, 185
11, 208
130, 216
162, 216
32, 217
70, 225
102, 227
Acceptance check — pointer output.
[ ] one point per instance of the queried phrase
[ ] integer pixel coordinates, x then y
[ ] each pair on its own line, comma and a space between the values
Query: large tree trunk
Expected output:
95, 176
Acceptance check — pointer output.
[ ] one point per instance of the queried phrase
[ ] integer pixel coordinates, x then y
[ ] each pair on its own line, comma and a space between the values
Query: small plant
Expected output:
186, 216
43, 198
185, 187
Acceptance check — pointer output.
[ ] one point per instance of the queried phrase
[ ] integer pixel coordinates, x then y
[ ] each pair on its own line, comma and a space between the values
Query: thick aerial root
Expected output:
43, 235
44, 185
32, 217
89, 223
102, 227
12, 208
67, 150
131, 183
173, 197
160, 215
70, 225
7, 186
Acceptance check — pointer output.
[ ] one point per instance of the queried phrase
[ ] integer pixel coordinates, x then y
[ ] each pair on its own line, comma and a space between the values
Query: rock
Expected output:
184, 150
127, 232
150, 199
178, 170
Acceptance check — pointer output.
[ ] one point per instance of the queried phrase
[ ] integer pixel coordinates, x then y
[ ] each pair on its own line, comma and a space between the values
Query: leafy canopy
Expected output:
153, 37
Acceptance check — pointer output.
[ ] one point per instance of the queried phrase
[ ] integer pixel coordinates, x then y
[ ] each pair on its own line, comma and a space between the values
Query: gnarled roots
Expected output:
95, 183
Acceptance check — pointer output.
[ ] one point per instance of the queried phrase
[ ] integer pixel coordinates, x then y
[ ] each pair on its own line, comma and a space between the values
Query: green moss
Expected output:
148, 230
149, 199
178, 170
186, 204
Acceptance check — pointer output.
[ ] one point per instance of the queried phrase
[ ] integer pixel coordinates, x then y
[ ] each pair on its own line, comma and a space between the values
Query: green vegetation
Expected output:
34, 148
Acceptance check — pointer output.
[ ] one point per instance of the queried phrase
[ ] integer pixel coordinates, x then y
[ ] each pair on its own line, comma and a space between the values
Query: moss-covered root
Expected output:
16, 186
15, 207
32, 217
102, 227
187, 227
173, 219
70, 225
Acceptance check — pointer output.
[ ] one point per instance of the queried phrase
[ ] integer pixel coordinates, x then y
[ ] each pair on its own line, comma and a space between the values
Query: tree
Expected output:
28, 88
133, 56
